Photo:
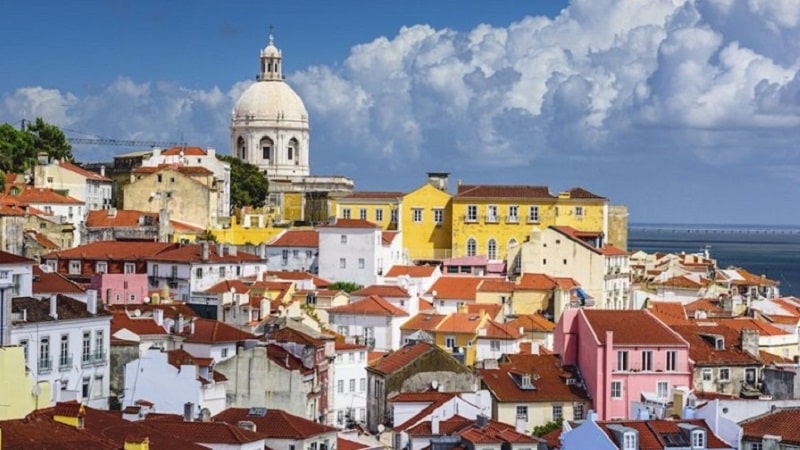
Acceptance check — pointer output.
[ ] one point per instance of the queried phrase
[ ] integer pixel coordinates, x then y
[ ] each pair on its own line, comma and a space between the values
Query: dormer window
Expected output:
698, 439
719, 343
526, 382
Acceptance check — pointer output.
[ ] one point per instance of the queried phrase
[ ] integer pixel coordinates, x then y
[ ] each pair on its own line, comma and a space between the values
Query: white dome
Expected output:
270, 100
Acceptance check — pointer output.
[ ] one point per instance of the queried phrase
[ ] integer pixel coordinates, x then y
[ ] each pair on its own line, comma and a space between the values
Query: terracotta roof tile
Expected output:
208, 331
455, 288
113, 250
383, 290
42, 240
282, 358
296, 276
581, 193
548, 377
387, 237
53, 283
783, 422
187, 151
423, 321
492, 285
411, 271
102, 218
373, 195
466, 191
746, 323
37, 196
373, 305
296, 238
682, 281
11, 258
67, 308
208, 432
631, 327
536, 282
492, 310
225, 286
192, 253
769, 358
497, 330
460, 323
180, 357
345, 444
83, 172
651, 432
141, 326
275, 423
671, 313
702, 348
400, 358
533, 323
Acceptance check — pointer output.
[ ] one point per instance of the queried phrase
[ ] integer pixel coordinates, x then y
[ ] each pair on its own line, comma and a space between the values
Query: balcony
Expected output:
93, 359
469, 219
45, 365
65, 363
491, 219
512, 219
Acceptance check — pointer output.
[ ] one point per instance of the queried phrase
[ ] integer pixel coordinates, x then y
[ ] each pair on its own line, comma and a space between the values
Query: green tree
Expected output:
50, 139
249, 187
19, 148
541, 430
347, 286
206, 235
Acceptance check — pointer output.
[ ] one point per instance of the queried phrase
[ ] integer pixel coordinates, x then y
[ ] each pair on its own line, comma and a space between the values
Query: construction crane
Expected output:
122, 142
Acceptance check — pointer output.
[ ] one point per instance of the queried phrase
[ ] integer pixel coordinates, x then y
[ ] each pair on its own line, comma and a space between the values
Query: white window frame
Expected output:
362, 213
623, 361
647, 361
438, 216
579, 212
615, 392
379, 215
416, 215
342, 263
725, 370
672, 360
533, 214
472, 213
513, 214
662, 389
345, 213
492, 212
129, 268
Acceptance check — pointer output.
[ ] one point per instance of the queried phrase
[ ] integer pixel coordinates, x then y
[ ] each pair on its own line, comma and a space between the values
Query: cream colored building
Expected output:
270, 129
189, 194
64, 177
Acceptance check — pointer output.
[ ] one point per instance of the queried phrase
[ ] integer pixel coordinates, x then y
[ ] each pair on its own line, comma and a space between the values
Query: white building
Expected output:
350, 385
94, 189
16, 272
170, 379
66, 343
372, 321
197, 267
213, 339
58, 208
406, 276
357, 251
293, 250
198, 157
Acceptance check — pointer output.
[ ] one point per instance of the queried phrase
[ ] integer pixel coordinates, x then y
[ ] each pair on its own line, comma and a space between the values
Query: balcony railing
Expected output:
512, 219
65, 363
93, 359
45, 365
491, 219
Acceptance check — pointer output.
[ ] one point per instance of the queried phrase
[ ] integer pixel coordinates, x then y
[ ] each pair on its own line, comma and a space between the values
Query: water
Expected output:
769, 250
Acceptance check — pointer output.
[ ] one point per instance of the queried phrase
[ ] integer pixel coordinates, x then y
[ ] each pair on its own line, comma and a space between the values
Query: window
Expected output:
343, 239
393, 216
555, 211
352, 384
672, 361
63, 358
362, 384
340, 386
362, 214
309, 254
450, 342
491, 213
361, 263
24, 344
101, 267
698, 439
85, 387
342, 263
707, 375
295, 253
129, 268
622, 360
284, 257
86, 353
266, 152
438, 215
662, 389
724, 374
198, 272
222, 270
379, 215
340, 417
579, 212
533, 214
416, 214
471, 247
159, 178
647, 361
616, 389
491, 249
224, 353
44, 354
49, 180
629, 441
472, 213
558, 412
99, 345
346, 213
74, 267
174, 272
513, 214
494, 345
577, 411
343, 330
756, 446
522, 412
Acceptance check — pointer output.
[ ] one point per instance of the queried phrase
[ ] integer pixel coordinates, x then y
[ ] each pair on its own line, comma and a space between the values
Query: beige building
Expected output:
188, 194
12, 224
71, 180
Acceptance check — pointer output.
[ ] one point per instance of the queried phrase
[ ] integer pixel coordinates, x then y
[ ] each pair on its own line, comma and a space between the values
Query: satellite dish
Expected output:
36, 390
435, 385
136, 313
433, 293
146, 300
381, 428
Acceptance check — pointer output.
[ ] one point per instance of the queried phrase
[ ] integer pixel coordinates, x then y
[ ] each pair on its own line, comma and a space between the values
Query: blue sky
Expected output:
686, 111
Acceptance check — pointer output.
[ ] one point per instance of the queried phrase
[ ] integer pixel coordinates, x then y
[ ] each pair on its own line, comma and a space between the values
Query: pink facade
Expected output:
120, 288
621, 355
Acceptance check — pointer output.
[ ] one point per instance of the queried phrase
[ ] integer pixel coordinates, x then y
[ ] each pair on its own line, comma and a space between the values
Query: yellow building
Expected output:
458, 333
17, 390
490, 219
188, 193
380, 208
426, 220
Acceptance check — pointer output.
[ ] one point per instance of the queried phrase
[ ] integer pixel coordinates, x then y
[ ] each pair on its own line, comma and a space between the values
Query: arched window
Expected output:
292, 150
471, 247
491, 249
266, 148
241, 149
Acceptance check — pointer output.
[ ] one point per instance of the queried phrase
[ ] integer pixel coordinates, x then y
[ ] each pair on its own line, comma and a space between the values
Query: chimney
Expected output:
54, 306
5, 317
102, 171
191, 327
259, 275
179, 324
204, 251
188, 412
232, 250
91, 301
164, 225
158, 316
435, 424
439, 180
750, 342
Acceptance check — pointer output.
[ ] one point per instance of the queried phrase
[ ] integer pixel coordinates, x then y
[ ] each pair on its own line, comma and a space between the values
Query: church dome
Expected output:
270, 100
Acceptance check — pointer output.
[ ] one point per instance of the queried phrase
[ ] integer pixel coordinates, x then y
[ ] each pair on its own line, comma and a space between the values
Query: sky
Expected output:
686, 111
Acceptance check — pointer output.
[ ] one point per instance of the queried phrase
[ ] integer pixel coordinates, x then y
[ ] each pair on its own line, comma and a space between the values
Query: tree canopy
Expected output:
249, 187
19, 148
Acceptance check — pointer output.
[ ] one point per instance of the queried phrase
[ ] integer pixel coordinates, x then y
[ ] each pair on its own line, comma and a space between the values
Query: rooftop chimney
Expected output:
54, 306
204, 251
435, 424
5, 317
91, 301
188, 412
158, 316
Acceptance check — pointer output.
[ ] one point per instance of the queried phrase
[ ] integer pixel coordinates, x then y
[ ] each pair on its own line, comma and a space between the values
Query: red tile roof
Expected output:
671, 313
423, 321
11, 258
373, 195
388, 236
141, 326
702, 348
682, 281
455, 288
209, 331
288, 334
81, 171
67, 308
631, 327
536, 282
533, 323
41, 432
783, 422
296, 276
11, 210
192, 253
411, 271
180, 357
460, 323
434, 401
374, 305
187, 151
225, 286
497, 330
101, 218
349, 223
282, 358
548, 377
466, 191
583, 194
490, 309
345, 444
400, 358
383, 290
275, 423
296, 238
113, 250
746, 323
34, 195
651, 432
493, 285
53, 283
207, 432
42, 240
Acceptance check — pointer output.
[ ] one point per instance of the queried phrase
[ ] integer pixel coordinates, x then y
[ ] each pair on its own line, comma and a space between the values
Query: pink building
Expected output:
624, 356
